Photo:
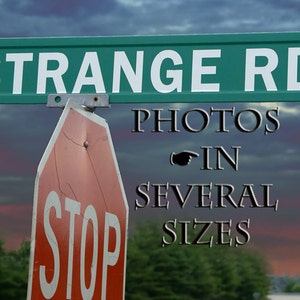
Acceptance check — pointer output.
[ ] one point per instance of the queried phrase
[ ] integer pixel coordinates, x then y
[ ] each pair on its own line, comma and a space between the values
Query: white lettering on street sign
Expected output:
212, 68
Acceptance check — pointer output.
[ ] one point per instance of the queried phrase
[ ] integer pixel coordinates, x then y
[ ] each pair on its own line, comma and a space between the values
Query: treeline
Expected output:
14, 272
170, 273
285, 284
192, 272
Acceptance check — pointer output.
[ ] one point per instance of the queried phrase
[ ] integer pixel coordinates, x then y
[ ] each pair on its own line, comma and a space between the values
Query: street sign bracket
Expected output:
89, 101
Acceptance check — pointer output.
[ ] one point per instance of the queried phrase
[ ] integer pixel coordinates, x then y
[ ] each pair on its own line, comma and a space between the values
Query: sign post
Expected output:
80, 214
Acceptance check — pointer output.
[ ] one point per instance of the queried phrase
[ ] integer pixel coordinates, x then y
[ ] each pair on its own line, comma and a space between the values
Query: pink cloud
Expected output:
14, 162
15, 224
279, 243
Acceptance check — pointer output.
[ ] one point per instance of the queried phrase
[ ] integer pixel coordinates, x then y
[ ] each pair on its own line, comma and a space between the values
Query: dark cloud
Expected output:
127, 17
291, 6
65, 8
25, 131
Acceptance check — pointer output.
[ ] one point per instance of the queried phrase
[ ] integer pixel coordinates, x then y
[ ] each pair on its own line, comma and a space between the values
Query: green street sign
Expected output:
153, 69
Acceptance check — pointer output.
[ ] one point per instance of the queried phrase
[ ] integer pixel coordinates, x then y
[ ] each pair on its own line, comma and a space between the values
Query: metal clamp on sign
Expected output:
90, 101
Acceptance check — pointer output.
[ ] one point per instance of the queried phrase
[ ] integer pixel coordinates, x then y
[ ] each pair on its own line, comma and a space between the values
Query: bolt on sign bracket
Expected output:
89, 101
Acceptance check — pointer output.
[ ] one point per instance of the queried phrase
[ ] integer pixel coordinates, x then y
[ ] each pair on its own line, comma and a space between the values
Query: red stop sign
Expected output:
80, 214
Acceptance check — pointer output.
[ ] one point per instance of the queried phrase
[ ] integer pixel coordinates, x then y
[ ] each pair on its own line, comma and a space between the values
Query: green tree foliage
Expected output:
14, 272
170, 273
293, 286
188, 272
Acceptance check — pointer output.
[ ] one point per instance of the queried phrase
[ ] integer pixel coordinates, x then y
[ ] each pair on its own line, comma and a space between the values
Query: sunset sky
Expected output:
272, 158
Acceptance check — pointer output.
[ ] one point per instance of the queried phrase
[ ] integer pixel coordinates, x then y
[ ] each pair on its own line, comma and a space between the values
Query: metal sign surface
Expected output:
80, 214
153, 69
